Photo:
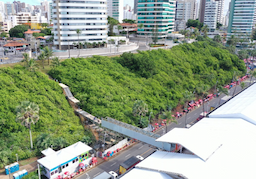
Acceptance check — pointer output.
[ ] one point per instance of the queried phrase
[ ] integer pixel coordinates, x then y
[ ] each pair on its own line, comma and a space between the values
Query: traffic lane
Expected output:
113, 163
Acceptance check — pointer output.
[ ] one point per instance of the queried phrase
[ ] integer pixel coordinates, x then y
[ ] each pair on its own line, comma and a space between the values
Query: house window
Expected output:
63, 166
67, 165
76, 159
52, 173
56, 171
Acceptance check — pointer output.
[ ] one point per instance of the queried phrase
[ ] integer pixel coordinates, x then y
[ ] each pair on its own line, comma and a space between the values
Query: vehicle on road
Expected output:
126, 165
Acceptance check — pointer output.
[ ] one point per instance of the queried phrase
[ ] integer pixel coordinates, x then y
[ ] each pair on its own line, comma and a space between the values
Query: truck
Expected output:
128, 164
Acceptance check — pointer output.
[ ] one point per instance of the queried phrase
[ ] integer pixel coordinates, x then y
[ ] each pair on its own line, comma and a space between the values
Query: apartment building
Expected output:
115, 9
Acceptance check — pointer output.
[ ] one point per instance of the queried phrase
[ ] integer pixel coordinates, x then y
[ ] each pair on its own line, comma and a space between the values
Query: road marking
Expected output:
127, 155
146, 151
113, 164
96, 174
141, 147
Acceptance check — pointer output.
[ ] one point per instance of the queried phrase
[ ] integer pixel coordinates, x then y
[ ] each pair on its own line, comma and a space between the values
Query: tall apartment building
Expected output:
116, 9
220, 11
128, 13
88, 16
9, 8
220, 8
26, 17
2, 7
202, 10
135, 6
157, 14
185, 10
241, 18
210, 15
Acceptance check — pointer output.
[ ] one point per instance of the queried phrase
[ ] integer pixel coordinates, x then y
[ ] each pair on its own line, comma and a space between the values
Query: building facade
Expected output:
90, 17
241, 18
26, 17
185, 10
116, 9
9, 8
220, 11
135, 6
129, 13
157, 17
210, 15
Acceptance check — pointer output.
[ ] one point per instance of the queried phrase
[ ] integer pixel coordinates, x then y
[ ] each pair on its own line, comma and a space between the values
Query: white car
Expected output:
113, 174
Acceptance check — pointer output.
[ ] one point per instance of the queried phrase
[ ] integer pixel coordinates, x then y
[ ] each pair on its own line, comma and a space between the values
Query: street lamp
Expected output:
17, 157
9, 168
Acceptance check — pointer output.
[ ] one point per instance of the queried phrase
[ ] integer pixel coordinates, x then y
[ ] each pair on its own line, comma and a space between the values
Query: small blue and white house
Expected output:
67, 160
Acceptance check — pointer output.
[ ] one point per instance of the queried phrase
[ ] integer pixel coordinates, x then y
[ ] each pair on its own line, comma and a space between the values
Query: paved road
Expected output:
144, 149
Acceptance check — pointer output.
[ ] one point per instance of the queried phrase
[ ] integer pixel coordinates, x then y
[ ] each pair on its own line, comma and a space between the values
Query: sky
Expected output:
130, 2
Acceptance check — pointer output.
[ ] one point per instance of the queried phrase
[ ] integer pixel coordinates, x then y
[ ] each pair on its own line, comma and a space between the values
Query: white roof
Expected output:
142, 173
48, 151
241, 106
64, 155
235, 158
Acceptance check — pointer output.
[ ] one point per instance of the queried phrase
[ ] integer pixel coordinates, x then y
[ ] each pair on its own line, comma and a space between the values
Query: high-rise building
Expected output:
156, 15
210, 15
241, 18
116, 9
136, 6
196, 11
90, 17
220, 11
128, 13
9, 8
220, 8
185, 10
202, 10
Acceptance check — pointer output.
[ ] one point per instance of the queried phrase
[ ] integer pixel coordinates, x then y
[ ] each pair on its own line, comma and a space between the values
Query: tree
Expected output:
111, 23
187, 96
242, 85
217, 38
194, 23
38, 35
59, 143
4, 34
27, 114
236, 75
32, 66
44, 141
232, 41
196, 32
44, 25
42, 58
130, 21
87, 140
205, 30
254, 34
48, 53
46, 31
167, 115
55, 62
222, 90
252, 74
78, 32
140, 108
155, 34
218, 25
18, 31
25, 59
203, 90
243, 54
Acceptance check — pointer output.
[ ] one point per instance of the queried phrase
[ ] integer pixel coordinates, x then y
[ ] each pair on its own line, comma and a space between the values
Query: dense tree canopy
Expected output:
110, 86
194, 23
18, 31
130, 21
56, 116
111, 23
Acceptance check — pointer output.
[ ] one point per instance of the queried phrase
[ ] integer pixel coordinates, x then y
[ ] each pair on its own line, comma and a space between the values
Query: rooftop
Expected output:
29, 31
15, 44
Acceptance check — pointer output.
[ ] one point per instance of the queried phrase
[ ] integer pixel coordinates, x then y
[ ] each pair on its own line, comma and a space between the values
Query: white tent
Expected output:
47, 151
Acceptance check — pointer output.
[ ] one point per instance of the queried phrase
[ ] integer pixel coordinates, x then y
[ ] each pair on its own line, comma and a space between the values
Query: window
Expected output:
82, 156
52, 173
56, 171
63, 166
67, 165
76, 159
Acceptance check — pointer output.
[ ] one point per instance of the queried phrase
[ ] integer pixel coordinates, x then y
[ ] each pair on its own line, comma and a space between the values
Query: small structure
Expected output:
29, 34
11, 46
126, 165
67, 160
42, 40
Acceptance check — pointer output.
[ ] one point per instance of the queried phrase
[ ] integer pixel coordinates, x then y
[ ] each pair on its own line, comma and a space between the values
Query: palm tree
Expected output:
42, 57
55, 62
99, 44
44, 141
196, 32
242, 85
25, 58
205, 30
32, 65
78, 32
94, 44
217, 38
187, 96
232, 41
140, 108
203, 90
48, 53
222, 90
27, 114
253, 74
59, 143
167, 115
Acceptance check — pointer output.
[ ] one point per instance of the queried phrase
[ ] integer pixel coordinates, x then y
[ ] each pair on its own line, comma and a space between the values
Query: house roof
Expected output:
128, 25
136, 172
240, 106
235, 158
15, 44
29, 31
47, 151
40, 37
64, 155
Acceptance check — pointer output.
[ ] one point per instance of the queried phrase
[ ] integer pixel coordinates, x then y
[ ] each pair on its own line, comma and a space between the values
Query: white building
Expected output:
185, 10
26, 17
155, 15
70, 15
9, 8
220, 11
6, 26
129, 13
2, 7
219, 146
210, 15
115, 9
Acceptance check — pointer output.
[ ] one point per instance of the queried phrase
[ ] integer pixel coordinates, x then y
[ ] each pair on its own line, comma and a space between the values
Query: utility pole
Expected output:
68, 50
17, 157
39, 174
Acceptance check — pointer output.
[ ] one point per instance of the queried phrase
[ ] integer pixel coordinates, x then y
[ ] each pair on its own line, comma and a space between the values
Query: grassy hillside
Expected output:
109, 87
57, 120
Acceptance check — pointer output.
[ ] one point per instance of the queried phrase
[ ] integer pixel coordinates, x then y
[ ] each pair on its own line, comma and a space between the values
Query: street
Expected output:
143, 149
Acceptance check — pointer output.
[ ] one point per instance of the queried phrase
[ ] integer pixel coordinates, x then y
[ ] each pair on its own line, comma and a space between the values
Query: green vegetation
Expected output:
194, 23
110, 86
18, 31
111, 23
38, 35
56, 117
130, 21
